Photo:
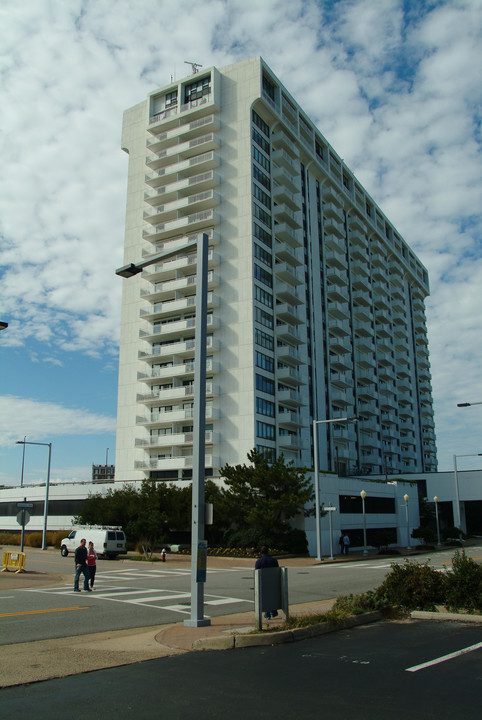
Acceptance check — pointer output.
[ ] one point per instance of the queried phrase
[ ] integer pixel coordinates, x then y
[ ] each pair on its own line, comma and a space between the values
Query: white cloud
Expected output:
21, 417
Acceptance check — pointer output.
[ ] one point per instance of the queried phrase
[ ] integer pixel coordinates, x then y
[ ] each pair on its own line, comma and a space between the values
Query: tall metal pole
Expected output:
406, 498
457, 498
363, 496
198, 543
23, 461
317, 490
436, 518
46, 504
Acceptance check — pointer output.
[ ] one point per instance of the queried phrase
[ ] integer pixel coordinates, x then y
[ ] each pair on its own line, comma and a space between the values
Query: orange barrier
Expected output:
13, 560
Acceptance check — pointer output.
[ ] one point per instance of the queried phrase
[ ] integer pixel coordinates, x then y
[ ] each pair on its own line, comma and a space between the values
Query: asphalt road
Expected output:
370, 672
131, 594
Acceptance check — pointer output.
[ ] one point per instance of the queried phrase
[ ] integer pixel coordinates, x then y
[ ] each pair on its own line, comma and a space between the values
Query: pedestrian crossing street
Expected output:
110, 586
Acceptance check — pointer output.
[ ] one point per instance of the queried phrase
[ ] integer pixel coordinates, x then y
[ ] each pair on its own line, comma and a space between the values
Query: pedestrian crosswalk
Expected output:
111, 586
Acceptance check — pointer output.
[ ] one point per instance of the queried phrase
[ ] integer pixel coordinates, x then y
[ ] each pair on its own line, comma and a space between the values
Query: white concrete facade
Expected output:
316, 304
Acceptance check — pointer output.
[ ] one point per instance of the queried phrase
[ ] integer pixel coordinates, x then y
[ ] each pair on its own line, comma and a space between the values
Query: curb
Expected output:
230, 642
441, 616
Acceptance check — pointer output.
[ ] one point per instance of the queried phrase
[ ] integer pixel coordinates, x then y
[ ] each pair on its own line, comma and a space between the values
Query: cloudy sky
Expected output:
394, 85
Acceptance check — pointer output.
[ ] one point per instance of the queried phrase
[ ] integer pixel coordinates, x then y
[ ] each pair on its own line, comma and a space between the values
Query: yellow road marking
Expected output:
37, 612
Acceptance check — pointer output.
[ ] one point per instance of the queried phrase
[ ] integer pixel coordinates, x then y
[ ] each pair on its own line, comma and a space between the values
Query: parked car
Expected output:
108, 541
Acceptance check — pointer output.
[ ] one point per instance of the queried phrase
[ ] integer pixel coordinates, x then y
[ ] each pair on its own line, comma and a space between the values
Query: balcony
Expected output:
334, 259
281, 176
289, 420
173, 351
288, 333
287, 273
196, 183
285, 232
204, 200
282, 159
185, 168
281, 195
332, 242
289, 441
172, 289
338, 310
187, 131
332, 195
175, 440
191, 223
333, 212
288, 354
176, 415
181, 265
341, 379
169, 396
177, 371
332, 227
171, 330
179, 462
286, 293
290, 398
284, 253
283, 214
280, 139
289, 376
174, 307
288, 314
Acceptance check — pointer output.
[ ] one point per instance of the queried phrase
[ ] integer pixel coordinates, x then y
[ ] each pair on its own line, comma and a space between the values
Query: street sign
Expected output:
25, 505
329, 509
23, 517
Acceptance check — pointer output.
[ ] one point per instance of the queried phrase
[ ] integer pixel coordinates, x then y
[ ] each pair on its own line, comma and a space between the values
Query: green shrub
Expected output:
451, 533
464, 584
424, 533
412, 586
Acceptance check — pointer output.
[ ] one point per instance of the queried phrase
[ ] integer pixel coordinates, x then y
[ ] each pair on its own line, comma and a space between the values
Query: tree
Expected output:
263, 497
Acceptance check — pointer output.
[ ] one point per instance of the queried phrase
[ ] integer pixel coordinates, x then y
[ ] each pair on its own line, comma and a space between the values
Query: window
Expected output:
197, 89
262, 215
260, 176
268, 87
171, 99
260, 123
264, 384
261, 196
263, 276
261, 234
263, 255
259, 140
263, 297
263, 318
264, 361
265, 407
261, 159
263, 339
265, 430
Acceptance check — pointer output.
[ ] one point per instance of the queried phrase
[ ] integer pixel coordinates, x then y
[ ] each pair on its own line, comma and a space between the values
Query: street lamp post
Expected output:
457, 518
198, 544
406, 498
363, 496
436, 518
468, 404
315, 468
46, 502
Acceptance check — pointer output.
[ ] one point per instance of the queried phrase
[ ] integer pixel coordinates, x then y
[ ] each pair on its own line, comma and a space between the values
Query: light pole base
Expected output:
201, 622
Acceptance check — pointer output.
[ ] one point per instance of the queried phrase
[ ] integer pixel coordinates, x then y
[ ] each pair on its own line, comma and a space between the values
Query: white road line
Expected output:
443, 658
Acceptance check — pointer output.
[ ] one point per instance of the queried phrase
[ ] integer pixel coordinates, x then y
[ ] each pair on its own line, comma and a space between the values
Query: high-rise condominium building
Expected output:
315, 302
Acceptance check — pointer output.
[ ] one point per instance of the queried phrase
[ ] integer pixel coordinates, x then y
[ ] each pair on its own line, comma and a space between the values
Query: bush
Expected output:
292, 541
451, 533
412, 586
424, 533
464, 584
9, 538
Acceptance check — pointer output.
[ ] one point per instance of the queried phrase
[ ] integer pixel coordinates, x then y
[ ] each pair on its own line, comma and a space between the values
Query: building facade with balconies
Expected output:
315, 302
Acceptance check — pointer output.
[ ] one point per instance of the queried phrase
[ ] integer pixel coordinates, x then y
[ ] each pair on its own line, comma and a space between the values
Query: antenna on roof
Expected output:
193, 65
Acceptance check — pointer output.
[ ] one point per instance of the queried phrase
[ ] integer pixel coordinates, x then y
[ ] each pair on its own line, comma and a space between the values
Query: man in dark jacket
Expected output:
267, 561
81, 566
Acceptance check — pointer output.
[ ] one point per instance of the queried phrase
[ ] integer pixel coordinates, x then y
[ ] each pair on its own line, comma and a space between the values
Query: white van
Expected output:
108, 541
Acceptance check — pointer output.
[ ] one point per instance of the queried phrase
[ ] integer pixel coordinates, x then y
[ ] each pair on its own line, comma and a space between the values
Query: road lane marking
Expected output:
38, 612
443, 658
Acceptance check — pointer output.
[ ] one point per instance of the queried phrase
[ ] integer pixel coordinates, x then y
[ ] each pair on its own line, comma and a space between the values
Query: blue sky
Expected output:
394, 85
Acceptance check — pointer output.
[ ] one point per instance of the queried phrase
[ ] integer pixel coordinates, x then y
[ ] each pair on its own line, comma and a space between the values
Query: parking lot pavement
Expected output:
357, 674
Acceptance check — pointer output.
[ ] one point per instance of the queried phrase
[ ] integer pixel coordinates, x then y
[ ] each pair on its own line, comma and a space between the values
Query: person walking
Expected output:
91, 564
267, 561
346, 543
81, 566
341, 543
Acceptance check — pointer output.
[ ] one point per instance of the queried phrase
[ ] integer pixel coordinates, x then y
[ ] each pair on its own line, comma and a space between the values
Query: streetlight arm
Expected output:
128, 271
468, 404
